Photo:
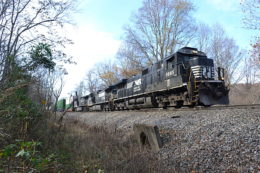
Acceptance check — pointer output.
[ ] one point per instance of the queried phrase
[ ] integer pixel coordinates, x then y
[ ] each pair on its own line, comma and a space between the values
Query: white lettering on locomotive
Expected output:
168, 82
101, 94
170, 73
138, 82
129, 85
137, 85
137, 88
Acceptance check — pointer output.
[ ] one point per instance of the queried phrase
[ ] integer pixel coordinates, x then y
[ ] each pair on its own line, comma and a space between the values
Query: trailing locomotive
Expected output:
185, 78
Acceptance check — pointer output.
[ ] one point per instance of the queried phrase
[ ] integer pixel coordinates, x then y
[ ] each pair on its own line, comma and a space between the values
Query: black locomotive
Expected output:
185, 78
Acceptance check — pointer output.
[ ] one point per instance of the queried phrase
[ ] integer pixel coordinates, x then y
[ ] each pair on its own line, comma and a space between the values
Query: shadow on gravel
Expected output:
177, 116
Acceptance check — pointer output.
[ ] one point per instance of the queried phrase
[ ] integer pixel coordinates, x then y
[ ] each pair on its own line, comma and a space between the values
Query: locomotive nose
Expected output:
210, 99
211, 95
219, 94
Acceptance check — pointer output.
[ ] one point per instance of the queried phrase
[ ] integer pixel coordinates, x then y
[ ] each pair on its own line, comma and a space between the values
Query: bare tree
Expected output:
47, 86
226, 54
130, 62
129, 67
108, 73
24, 23
253, 60
92, 81
222, 49
95, 79
255, 53
58, 86
251, 9
203, 37
81, 89
250, 71
158, 28
251, 20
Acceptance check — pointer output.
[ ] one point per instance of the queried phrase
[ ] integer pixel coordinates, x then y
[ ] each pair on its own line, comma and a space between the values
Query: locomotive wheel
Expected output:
164, 105
179, 104
206, 106
192, 105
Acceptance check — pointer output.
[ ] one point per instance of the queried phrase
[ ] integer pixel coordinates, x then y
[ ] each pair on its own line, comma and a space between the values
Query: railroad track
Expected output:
172, 109
216, 107
251, 106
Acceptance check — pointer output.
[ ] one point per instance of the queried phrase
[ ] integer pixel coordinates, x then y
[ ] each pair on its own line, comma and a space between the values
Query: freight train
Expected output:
185, 78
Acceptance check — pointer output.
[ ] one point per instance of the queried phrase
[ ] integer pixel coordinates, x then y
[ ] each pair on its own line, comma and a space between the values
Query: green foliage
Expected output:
28, 155
41, 55
18, 116
18, 104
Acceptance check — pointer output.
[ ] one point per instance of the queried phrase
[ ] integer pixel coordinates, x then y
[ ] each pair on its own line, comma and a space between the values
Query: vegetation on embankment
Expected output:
51, 145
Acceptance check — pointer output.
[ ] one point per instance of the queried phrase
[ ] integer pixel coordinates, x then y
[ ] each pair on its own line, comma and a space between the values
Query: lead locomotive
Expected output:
186, 77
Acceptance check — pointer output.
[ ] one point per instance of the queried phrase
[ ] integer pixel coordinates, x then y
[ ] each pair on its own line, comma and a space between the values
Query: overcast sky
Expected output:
99, 24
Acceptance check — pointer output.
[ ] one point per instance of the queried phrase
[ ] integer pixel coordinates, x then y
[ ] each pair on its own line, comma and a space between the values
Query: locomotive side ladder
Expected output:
193, 88
195, 96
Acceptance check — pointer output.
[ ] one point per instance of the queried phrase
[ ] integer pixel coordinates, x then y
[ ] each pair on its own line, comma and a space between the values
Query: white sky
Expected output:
90, 46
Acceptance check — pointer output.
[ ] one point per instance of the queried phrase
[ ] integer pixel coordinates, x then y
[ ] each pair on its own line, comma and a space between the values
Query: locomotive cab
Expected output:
199, 74
173, 74
196, 64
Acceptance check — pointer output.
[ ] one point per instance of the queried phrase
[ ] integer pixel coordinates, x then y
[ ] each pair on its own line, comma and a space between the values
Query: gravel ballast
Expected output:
220, 140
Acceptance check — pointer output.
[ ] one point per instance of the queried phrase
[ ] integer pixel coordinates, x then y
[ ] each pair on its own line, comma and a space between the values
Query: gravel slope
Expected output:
202, 140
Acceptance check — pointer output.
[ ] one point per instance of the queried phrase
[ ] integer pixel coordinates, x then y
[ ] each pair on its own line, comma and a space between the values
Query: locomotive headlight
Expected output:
194, 51
206, 72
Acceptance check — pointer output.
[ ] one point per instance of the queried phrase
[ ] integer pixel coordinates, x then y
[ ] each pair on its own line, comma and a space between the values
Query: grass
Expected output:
97, 149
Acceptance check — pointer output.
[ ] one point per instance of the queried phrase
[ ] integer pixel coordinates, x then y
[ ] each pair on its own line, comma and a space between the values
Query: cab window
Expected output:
170, 63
